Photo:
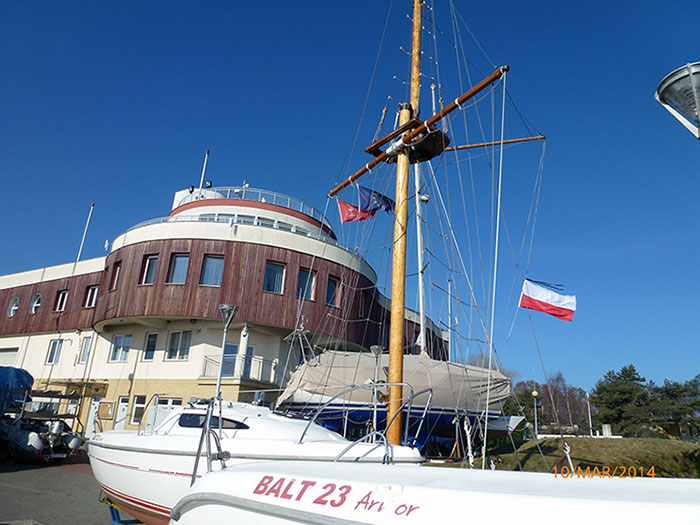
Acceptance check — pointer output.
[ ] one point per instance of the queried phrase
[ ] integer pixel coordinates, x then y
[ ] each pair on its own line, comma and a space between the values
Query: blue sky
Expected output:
115, 104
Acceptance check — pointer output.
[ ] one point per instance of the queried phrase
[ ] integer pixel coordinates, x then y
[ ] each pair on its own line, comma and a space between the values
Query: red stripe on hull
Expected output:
557, 311
149, 513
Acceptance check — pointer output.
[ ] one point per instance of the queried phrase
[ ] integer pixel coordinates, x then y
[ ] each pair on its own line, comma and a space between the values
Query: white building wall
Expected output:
51, 273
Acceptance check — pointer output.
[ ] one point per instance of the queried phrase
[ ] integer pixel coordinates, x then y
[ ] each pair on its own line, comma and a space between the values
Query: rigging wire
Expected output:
348, 156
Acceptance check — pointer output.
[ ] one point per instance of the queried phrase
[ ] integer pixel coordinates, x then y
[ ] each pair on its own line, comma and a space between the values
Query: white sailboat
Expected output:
349, 494
147, 473
311, 492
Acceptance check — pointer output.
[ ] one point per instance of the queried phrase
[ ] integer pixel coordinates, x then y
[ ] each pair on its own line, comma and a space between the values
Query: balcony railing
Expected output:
254, 194
242, 367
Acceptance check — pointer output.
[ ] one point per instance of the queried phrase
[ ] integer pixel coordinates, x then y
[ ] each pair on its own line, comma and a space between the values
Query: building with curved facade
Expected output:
104, 335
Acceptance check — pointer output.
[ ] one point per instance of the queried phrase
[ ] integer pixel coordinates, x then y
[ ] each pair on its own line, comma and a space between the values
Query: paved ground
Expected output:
65, 494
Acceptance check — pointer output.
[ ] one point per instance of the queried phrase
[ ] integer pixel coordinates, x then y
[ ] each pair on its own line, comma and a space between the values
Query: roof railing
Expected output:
257, 195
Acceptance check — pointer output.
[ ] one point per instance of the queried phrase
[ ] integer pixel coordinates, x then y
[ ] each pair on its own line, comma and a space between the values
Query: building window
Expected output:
245, 219
179, 345
333, 292
386, 333
274, 277
61, 298
137, 409
170, 403
91, 296
284, 226
84, 349
364, 305
267, 223
225, 217
149, 349
13, 307
120, 348
305, 284
212, 270
54, 352
35, 304
115, 275
178, 269
235, 365
150, 265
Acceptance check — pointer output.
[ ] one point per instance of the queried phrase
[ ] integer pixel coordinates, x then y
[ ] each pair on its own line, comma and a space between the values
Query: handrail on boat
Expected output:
208, 432
359, 387
388, 453
145, 412
425, 412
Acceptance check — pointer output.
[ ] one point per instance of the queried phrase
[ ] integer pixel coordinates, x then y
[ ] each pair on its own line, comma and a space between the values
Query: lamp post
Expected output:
377, 350
228, 312
534, 402
679, 93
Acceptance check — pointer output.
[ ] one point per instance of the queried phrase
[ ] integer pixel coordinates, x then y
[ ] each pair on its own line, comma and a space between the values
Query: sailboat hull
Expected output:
351, 493
147, 474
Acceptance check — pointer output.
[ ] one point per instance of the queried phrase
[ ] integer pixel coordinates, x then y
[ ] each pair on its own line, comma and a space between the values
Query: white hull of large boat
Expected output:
349, 494
147, 474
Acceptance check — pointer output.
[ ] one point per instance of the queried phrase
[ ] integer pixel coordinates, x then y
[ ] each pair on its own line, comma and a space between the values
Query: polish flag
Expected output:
349, 213
543, 299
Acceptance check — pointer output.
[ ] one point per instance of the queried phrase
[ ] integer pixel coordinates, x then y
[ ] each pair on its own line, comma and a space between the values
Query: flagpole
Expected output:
87, 224
204, 168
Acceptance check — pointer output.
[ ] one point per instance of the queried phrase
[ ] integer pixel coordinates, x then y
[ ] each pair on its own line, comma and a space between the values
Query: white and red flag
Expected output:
349, 213
542, 299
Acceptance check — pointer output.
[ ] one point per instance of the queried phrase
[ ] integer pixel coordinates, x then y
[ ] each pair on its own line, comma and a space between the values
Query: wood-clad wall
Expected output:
75, 316
242, 285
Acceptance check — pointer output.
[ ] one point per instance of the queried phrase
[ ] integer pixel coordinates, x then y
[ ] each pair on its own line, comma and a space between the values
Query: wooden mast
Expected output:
398, 273
413, 128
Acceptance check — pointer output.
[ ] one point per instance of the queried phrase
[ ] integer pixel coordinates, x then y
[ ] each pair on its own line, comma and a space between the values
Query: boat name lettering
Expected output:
324, 494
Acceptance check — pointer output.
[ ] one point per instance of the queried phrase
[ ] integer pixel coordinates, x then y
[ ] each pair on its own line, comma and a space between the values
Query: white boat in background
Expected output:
349, 494
148, 473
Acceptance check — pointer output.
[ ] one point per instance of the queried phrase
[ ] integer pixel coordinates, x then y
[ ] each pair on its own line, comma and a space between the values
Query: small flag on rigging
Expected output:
542, 299
349, 213
371, 200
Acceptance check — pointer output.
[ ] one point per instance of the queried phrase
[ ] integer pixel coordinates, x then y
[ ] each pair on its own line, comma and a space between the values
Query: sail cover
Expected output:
454, 386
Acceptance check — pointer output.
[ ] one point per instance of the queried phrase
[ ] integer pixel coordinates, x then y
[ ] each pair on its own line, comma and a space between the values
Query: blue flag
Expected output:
371, 200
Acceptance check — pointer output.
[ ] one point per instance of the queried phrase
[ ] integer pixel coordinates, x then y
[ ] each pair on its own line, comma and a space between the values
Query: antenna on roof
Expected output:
204, 168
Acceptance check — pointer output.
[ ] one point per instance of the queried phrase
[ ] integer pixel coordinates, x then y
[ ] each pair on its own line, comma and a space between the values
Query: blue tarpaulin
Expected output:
14, 382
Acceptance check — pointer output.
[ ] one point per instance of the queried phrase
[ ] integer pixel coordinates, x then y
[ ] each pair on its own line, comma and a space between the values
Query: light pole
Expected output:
377, 350
228, 312
534, 402
588, 406
679, 93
